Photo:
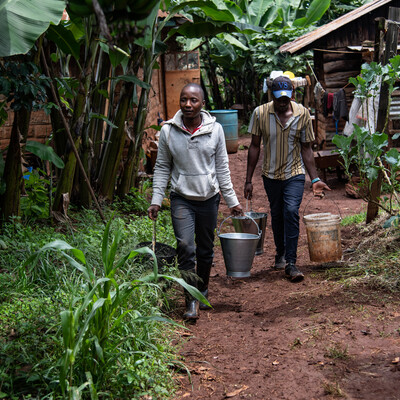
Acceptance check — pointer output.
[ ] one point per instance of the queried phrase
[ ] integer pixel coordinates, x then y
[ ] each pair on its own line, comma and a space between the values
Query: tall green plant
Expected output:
89, 326
242, 41
366, 149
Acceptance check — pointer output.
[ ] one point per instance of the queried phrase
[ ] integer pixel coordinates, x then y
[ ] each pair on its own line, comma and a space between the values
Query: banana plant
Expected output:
232, 34
23, 22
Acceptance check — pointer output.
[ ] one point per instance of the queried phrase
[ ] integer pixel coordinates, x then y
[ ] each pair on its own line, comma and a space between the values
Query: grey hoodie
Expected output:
197, 164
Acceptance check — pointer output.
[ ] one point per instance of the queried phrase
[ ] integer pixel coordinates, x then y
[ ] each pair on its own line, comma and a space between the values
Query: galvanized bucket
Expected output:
243, 224
238, 250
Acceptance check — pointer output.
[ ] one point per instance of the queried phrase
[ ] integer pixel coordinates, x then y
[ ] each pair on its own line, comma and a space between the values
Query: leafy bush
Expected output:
366, 149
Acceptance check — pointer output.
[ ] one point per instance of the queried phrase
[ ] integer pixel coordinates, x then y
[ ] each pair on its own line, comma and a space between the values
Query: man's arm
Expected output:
252, 159
308, 158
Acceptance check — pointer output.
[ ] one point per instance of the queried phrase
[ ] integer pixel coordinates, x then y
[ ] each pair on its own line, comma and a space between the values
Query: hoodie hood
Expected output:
207, 119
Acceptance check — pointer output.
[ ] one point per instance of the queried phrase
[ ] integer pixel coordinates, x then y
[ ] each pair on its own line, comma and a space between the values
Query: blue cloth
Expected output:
285, 197
194, 223
30, 169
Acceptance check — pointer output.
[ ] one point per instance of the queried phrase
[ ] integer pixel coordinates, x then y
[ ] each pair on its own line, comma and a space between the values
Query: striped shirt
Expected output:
282, 144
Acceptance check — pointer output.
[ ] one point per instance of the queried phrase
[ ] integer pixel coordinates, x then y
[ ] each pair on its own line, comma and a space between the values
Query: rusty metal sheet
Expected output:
305, 40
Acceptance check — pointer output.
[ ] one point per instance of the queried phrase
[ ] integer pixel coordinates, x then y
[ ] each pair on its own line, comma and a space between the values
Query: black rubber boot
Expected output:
192, 305
203, 271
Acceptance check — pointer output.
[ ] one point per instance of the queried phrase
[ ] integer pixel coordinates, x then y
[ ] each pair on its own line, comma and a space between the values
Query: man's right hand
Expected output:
248, 190
152, 211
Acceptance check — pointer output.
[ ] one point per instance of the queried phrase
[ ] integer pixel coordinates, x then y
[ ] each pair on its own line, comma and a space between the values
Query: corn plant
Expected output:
89, 325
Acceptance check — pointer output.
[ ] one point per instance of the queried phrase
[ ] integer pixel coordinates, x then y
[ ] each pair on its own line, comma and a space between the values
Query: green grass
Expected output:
337, 352
353, 219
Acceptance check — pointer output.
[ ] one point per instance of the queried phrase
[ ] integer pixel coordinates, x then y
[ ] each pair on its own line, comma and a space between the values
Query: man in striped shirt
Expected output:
285, 128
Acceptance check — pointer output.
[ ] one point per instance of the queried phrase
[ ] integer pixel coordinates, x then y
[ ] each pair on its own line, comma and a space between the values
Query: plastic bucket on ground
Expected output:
238, 250
242, 224
229, 121
323, 236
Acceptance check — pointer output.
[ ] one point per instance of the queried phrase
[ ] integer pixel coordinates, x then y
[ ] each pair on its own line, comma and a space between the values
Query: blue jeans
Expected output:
194, 224
285, 198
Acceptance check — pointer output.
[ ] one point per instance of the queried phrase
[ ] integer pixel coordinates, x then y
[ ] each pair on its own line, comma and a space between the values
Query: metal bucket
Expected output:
323, 236
238, 250
245, 225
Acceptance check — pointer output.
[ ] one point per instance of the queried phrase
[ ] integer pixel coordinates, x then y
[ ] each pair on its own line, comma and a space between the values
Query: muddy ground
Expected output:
269, 338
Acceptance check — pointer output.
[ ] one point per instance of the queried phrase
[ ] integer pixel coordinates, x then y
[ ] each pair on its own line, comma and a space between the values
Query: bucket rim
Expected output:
231, 216
223, 111
321, 217
238, 236
253, 214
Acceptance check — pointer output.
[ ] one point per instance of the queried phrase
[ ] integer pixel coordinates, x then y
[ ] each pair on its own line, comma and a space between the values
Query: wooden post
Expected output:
380, 23
390, 51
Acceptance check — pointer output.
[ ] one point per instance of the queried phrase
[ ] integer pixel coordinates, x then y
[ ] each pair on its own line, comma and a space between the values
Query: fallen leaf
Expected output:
396, 360
186, 395
276, 362
236, 392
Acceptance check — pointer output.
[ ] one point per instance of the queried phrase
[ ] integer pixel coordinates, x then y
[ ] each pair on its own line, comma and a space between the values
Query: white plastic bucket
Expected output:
323, 236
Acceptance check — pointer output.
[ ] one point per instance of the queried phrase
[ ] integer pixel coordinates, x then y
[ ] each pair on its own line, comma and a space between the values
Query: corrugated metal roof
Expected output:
308, 38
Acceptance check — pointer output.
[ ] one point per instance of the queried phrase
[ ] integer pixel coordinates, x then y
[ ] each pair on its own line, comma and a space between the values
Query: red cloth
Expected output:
329, 103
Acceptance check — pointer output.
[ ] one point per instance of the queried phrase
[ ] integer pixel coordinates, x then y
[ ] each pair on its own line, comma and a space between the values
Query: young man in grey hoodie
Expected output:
192, 154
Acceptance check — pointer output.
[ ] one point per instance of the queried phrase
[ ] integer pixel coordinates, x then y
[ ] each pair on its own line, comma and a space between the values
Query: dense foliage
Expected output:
53, 343
366, 151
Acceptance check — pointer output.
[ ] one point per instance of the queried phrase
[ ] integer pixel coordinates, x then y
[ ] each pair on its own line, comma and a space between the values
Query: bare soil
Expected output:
269, 338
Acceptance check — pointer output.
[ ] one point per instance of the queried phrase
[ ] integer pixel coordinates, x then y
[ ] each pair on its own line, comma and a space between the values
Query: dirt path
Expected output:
268, 338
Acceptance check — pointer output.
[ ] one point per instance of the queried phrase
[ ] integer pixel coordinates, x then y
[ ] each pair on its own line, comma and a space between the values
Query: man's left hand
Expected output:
319, 187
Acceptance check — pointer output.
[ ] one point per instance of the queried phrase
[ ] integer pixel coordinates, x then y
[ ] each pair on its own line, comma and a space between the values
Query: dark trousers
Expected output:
285, 198
194, 224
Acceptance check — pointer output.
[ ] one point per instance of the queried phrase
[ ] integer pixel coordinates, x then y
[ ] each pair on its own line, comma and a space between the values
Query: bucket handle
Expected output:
246, 217
331, 200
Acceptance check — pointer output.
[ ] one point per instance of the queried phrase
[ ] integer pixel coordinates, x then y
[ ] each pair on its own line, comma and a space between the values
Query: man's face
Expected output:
191, 101
281, 104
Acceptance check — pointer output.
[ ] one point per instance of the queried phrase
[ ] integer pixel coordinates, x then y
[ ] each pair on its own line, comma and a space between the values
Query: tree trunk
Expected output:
10, 200
59, 134
96, 128
213, 79
68, 173
108, 174
131, 165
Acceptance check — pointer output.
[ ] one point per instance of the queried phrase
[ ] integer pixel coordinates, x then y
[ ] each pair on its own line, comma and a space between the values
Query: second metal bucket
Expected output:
238, 250
245, 225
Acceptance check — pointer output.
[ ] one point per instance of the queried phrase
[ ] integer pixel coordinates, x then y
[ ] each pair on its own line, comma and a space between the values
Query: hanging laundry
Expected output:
327, 103
330, 102
319, 92
339, 107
